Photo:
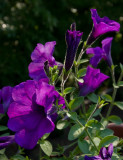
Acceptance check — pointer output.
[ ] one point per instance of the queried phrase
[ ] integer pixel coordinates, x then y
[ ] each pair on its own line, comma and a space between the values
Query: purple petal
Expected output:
28, 138
36, 71
19, 94
93, 158
5, 141
92, 80
72, 39
110, 150
106, 46
103, 153
18, 109
97, 55
101, 26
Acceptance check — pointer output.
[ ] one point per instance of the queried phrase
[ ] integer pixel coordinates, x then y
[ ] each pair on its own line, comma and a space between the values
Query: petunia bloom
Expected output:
33, 112
5, 98
105, 154
6, 140
92, 80
99, 53
101, 26
73, 38
42, 59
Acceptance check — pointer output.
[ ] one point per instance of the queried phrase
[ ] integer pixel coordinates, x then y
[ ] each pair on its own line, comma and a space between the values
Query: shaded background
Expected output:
24, 23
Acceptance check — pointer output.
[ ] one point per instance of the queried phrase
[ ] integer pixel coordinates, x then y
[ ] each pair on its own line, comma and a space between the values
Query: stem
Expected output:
91, 139
70, 145
114, 91
86, 130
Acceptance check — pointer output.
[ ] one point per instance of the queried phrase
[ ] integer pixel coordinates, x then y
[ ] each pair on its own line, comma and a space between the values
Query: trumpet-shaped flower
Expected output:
5, 98
42, 59
33, 112
105, 154
99, 53
73, 38
92, 80
101, 26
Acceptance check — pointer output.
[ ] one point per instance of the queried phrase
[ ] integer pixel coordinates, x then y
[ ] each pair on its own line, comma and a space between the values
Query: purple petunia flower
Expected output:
7, 140
42, 58
92, 80
33, 112
73, 38
99, 53
101, 26
5, 98
105, 154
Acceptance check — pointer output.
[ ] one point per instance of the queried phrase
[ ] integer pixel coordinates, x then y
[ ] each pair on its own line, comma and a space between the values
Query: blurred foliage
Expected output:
24, 23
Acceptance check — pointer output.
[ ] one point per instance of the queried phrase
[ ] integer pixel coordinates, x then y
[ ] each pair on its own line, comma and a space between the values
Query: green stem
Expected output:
86, 130
114, 90
91, 139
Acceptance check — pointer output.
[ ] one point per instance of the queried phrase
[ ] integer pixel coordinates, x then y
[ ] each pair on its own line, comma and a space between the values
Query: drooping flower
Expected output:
6, 140
92, 80
105, 154
99, 53
101, 26
33, 112
73, 38
42, 59
5, 98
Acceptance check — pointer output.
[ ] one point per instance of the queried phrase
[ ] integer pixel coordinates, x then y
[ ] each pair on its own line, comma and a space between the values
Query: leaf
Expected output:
96, 140
83, 61
84, 146
81, 72
3, 128
75, 132
115, 119
119, 104
80, 80
46, 146
3, 157
45, 136
120, 84
121, 66
108, 140
107, 97
105, 132
93, 97
76, 103
72, 115
62, 124
94, 124
68, 90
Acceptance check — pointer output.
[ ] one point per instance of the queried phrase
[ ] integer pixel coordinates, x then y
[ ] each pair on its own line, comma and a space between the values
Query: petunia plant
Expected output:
64, 110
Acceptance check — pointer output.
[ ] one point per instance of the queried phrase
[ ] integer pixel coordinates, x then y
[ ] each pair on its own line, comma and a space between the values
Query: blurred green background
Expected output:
24, 23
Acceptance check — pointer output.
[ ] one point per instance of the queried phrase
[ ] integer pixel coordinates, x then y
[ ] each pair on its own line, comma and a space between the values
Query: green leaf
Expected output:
75, 132
107, 97
121, 66
75, 103
3, 157
119, 105
81, 72
45, 136
62, 124
93, 97
3, 128
108, 140
84, 146
79, 80
94, 124
105, 132
96, 140
120, 84
115, 119
46, 146
83, 61
72, 115
68, 90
